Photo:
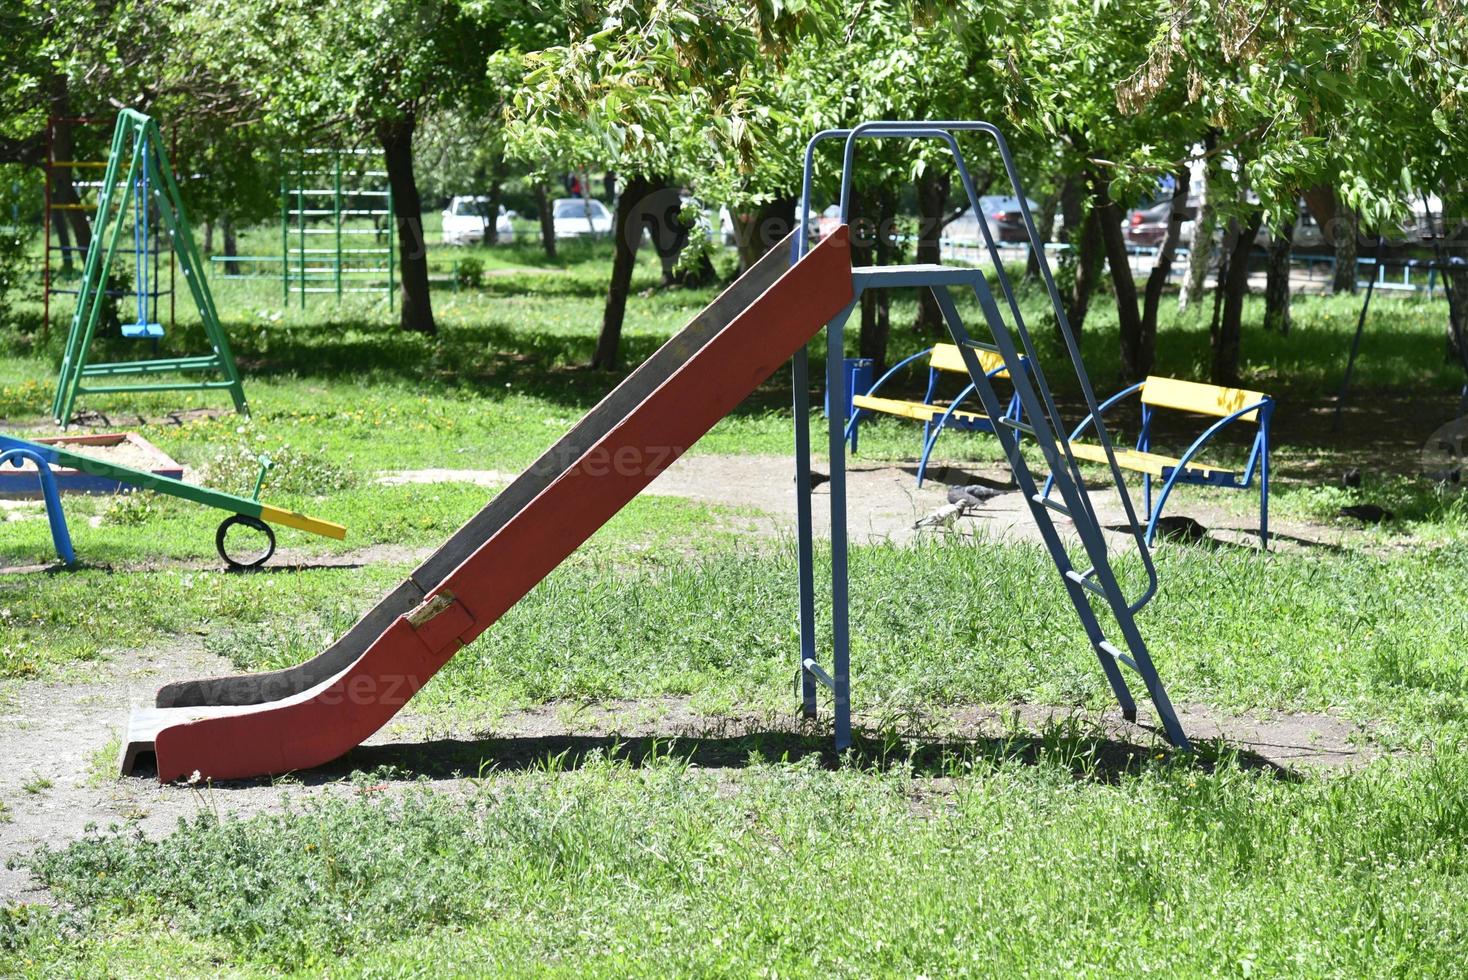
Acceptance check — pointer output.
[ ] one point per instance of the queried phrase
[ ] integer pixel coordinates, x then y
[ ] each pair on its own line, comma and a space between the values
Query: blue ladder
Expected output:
1042, 422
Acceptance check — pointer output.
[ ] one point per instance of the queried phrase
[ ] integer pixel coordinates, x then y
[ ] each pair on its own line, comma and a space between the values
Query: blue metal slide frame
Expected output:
1044, 424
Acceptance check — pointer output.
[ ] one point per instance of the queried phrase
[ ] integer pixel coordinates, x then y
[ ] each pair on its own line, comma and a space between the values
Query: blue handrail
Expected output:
944, 130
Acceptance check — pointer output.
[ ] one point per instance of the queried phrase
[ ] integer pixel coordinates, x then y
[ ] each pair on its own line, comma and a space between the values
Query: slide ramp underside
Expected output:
307, 715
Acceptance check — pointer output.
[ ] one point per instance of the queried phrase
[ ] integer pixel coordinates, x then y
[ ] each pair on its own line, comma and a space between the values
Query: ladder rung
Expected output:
1054, 505
1017, 425
1106, 647
983, 345
819, 674
1074, 576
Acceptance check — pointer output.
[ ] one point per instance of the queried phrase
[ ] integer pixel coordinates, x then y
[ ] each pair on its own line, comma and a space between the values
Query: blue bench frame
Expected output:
60, 536
1173, 475
933, 427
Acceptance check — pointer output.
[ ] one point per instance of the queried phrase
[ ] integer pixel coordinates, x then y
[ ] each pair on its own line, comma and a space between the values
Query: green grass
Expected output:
1375, 636
1015, 868
53, 622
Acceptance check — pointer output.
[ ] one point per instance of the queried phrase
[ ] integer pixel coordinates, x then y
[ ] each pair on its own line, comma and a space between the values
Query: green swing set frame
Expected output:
138, 145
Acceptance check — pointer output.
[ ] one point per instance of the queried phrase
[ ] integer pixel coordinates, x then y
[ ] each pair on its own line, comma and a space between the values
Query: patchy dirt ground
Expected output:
284, 560
60, 742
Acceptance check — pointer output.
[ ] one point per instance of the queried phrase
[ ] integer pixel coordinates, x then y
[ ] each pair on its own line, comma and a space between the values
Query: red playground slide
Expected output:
308, 715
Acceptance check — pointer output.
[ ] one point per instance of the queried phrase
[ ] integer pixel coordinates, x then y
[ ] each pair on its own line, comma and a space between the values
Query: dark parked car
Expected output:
1007, 221
1147, 227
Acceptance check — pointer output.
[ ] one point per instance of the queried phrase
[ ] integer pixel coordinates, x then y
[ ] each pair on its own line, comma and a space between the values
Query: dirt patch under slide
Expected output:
60, 743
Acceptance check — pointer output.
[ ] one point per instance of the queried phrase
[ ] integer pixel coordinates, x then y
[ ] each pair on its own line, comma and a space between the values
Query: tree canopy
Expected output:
1358, 107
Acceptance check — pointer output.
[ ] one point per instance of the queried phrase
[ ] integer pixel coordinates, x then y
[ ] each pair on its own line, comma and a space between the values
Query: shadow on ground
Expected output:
1091, 757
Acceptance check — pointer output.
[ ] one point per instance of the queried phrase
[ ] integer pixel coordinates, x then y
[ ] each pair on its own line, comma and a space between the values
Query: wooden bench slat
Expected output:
1203, 399
947, 357
1140, 462
912, 410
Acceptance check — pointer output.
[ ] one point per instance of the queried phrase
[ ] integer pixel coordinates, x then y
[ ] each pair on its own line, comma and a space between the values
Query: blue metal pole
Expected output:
840, 610
804, 542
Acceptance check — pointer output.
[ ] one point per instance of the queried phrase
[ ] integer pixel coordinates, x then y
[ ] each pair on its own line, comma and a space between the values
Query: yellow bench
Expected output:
1227, 405
934, 414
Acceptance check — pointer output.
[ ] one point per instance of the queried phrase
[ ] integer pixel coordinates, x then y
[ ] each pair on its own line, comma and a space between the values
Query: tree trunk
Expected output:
208, 238
872, 245
1225, 252
1320, 200
416, 303
758, 232
1161, 270
1135, 360
1235, 288
1046, 218
660, 211
547, 223
1200, 249
1084, 229
1455, 283
492, 217
1200, 254
695, 274
231, 246
626, 237
1277, 285
933, 188
1343, 230
496, 197
876, 326
63, 238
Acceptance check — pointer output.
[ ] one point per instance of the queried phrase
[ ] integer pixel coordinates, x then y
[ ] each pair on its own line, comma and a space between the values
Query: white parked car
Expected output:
466, 218
576, 217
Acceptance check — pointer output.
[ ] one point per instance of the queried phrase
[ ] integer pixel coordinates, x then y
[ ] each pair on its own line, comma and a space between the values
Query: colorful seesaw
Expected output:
245, 511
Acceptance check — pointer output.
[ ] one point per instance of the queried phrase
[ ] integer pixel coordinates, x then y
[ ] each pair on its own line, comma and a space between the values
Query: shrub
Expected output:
469, 273
236, 467
24, 399
132, 509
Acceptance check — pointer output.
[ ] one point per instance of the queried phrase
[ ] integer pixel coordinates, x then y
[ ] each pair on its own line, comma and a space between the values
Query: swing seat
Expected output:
142, 331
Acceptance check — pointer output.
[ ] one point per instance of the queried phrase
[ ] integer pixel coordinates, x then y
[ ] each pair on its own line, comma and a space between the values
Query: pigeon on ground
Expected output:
1367, 513
816, 479
974, 494
1180, 527
943, 517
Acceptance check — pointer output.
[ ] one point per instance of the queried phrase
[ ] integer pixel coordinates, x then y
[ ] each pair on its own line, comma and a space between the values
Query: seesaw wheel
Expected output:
249, 559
